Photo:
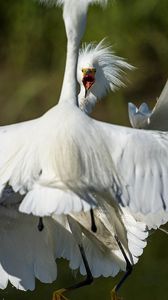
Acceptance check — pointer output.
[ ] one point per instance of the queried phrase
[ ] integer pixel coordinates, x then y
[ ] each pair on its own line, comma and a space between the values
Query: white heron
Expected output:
101, 250
29, 262
99, 57
72, 165
103, 255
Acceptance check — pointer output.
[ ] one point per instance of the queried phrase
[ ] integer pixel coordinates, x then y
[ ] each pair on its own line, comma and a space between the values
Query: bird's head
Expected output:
98, 72
88, 78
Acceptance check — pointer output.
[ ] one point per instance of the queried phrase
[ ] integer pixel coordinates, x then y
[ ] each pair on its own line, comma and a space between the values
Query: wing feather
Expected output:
157, 119
25, 253
18, 161
141, 160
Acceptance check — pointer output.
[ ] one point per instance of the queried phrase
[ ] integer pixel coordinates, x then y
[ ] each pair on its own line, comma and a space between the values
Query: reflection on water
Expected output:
149, 280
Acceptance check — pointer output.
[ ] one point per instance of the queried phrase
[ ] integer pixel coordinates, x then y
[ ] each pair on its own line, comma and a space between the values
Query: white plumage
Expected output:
44, 188
108, 153
110, 221
60, 175
102, 252
67, 2
109, 71
65, 151
25, 254
157, 119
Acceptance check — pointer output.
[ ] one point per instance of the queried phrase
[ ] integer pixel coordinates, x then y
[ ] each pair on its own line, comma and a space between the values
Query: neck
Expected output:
69, 87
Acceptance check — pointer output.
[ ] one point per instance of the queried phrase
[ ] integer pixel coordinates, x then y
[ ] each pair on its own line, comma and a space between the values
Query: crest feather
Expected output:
109, 72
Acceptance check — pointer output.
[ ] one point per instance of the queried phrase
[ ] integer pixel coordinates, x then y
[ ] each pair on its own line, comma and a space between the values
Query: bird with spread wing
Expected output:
84, 162
82, 157
100, 250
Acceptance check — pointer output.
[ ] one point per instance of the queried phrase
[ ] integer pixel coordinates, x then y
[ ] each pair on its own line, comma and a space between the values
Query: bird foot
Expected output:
58, 295
114, 295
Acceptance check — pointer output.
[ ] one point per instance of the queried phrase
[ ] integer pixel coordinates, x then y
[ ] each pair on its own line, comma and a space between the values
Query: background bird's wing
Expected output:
159, 116
139, 117
157, 119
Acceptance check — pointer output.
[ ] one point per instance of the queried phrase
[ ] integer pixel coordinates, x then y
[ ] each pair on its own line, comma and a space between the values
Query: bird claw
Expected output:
58, 295
114, 295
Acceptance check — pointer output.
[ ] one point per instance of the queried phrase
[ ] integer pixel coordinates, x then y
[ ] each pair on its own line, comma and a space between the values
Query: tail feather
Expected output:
44, 201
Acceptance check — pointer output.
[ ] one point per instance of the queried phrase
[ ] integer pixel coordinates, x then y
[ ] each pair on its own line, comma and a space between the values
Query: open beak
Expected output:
88, 78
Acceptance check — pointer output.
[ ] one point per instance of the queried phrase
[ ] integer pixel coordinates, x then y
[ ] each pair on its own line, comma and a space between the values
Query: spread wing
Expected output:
17, 164
131, 164
141, 161
25, 253
27, 158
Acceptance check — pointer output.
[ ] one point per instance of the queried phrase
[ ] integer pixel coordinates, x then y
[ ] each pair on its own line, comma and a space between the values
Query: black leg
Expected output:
93, 223
86, 92
89, 278
40, 225
129, 269
58, 295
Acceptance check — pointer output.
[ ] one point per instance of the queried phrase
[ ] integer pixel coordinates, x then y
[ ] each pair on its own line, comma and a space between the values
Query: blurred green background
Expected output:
32, 58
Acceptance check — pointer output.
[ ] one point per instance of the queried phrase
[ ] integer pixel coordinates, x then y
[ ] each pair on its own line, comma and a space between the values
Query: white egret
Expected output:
103, 255
65, 165
102, 252
82, 156
70, 170
157, 119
